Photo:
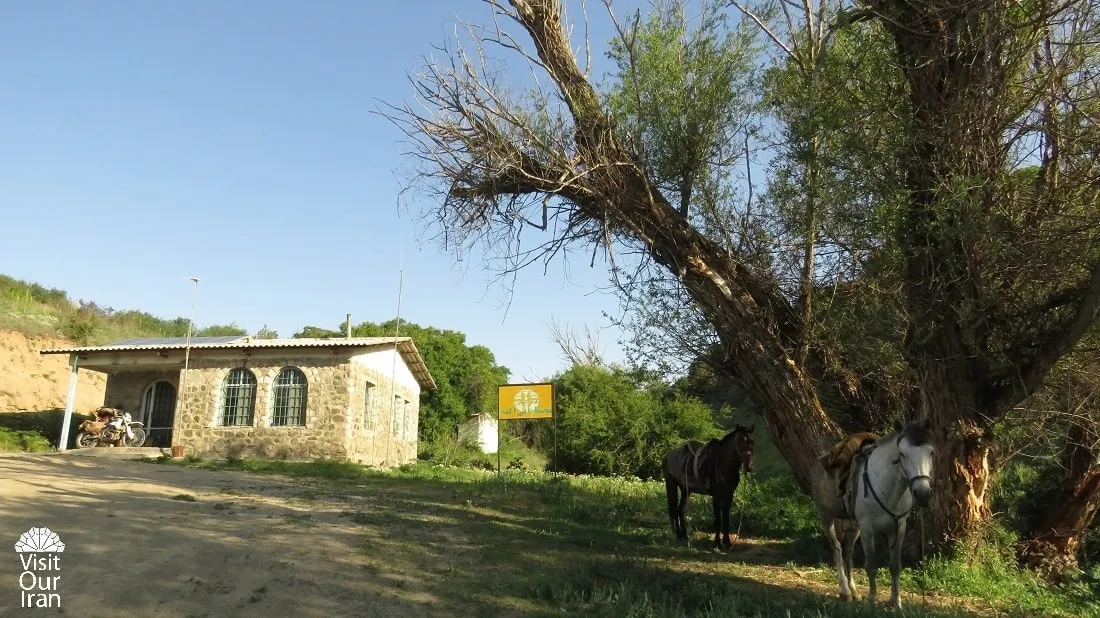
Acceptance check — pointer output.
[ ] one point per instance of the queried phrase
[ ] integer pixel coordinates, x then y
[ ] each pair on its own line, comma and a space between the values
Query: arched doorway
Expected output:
158, 410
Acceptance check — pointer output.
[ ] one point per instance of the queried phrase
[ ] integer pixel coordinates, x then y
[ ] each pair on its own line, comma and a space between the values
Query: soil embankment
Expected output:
30, 381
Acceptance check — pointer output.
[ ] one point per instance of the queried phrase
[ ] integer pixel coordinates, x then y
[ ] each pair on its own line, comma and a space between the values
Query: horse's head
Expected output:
742, 441
915, 458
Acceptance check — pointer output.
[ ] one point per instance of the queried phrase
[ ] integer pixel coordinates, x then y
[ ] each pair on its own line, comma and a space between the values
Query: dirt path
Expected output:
187, 543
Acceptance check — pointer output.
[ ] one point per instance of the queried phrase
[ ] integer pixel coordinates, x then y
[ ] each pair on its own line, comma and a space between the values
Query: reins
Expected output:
867, 486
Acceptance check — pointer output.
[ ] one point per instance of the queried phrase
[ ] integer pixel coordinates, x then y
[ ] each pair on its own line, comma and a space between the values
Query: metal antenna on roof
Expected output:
393, 370
187, 347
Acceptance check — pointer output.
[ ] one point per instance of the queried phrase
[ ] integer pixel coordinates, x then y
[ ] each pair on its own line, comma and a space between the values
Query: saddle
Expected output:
840, 457
696, 466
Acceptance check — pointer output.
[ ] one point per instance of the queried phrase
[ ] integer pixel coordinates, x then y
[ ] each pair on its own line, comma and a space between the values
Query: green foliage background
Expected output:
610, 425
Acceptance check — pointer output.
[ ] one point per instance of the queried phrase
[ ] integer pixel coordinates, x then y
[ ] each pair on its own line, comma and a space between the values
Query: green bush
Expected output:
455, 452
1023, 490
80, 327
609, 425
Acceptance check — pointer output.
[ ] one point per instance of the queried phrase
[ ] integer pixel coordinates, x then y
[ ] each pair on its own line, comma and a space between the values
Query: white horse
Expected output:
887, 479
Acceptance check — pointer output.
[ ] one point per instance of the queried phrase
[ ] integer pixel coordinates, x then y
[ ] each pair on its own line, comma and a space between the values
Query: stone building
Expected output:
355, 399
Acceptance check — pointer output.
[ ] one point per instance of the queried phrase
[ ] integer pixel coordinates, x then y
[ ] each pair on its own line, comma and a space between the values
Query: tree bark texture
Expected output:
1053, 544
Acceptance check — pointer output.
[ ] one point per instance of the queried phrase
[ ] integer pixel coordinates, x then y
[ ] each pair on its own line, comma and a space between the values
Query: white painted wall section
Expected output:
382, 361
482, 430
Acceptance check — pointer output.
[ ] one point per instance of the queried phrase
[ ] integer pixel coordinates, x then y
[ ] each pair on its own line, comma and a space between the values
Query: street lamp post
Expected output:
186, 351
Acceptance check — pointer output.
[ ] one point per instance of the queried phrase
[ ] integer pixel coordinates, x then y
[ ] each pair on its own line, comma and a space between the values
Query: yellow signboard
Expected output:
516, 402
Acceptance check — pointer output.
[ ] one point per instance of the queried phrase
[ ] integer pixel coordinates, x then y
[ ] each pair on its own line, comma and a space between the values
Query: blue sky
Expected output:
144, 142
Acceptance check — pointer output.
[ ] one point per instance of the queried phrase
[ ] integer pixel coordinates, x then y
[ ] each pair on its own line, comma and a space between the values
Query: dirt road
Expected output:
143, 539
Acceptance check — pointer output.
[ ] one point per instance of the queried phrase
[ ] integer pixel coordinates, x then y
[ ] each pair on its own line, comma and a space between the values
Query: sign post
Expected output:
521, 402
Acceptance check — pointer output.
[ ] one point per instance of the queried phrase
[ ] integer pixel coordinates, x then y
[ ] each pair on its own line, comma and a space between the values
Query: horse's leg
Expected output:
895, 563
672, 493
682, 509
726, 508
851, 534
716, 504
829, 525
870, 560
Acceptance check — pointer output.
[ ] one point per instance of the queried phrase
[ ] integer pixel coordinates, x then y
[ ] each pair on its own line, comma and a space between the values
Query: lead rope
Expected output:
740, 512
923, 591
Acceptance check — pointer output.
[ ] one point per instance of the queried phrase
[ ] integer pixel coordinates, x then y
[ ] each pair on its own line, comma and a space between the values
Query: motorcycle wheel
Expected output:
85, 440
139, 437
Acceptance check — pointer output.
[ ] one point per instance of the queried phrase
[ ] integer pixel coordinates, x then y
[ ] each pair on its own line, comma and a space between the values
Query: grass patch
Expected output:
45, 423
28, 441
514, 455
991, 572
557, 544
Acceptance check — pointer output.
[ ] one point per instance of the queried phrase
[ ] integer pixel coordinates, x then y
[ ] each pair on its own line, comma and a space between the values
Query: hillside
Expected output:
30, 381
34, 317
34, 309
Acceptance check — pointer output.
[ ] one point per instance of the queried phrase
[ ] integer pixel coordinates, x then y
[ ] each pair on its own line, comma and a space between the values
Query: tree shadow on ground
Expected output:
220, 543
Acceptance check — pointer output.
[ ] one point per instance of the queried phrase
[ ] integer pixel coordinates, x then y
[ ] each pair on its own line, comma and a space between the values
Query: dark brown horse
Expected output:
712, 469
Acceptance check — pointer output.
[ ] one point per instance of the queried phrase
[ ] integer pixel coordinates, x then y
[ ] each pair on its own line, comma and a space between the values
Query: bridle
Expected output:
867, 486
743, 449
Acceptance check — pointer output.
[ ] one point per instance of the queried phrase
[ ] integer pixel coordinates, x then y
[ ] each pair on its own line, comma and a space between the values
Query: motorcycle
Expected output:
112, 427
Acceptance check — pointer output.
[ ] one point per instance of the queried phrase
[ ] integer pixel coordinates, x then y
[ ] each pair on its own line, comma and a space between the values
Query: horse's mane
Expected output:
731, 435
719, 442
917, 433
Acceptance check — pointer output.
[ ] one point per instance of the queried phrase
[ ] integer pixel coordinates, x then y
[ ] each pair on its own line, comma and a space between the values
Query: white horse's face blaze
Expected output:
916, 464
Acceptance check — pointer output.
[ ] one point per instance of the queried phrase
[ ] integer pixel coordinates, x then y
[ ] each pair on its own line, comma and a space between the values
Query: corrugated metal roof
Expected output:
405, 346
175, 340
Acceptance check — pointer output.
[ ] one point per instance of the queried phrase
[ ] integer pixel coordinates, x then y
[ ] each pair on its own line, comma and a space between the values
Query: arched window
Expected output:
238, 398
289, 398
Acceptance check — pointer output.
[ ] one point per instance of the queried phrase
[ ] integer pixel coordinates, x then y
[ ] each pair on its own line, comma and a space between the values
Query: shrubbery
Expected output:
609, 425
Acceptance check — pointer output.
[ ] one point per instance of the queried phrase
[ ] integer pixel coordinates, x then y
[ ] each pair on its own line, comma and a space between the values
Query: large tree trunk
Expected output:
974, 361
1053, 544
961, 474
954, 117
748, 310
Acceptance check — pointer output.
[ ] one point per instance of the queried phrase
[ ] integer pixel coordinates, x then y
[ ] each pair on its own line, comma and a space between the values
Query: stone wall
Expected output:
324, 435
125, 389
370, 439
